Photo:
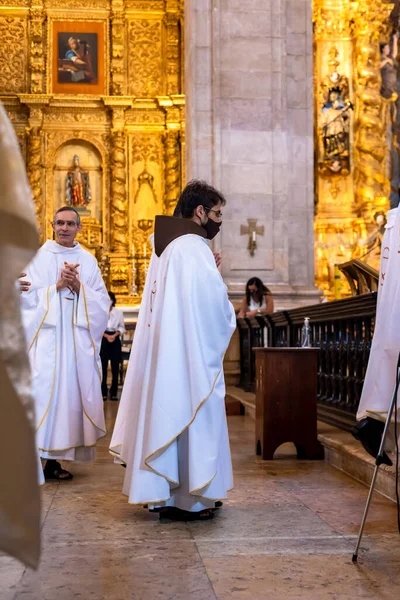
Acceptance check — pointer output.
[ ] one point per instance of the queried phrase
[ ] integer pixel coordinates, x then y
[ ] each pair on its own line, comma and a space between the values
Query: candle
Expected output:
133, 250
145, 250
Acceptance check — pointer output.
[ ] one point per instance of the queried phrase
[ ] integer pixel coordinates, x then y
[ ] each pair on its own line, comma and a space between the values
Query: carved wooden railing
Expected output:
342, 330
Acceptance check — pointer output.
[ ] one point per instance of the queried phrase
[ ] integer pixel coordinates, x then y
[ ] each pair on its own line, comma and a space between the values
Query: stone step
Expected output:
246, 399
343, 452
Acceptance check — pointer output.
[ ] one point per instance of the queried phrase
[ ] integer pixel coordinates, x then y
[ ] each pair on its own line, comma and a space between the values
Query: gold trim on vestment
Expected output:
42, 420
177, 435
43, 320
76, 360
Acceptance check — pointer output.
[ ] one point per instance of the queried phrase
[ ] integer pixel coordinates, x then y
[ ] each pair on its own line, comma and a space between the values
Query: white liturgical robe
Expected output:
381, 372
171, 429
64, 332
19, 489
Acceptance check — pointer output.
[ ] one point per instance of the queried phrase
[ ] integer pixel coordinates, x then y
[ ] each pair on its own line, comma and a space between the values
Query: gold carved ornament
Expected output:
119, 200
35, 173
117, 47
371, 177
145, 58
13, 54
37, 63
172, 170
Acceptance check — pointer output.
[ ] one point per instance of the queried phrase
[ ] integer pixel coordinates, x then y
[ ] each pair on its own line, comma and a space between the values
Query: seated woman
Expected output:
257, 301
111, 348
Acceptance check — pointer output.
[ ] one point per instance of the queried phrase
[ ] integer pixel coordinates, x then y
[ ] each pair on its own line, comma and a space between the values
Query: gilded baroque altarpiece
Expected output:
357, 174
129, 140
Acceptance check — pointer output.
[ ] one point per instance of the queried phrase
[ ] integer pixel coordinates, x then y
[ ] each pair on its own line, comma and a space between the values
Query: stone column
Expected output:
249, 130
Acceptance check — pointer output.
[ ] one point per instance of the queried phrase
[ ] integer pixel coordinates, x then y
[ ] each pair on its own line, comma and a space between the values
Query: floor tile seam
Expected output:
49, 507
203, 564
332, 528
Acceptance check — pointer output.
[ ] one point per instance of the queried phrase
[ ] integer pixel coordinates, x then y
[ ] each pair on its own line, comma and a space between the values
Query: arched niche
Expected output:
90, 160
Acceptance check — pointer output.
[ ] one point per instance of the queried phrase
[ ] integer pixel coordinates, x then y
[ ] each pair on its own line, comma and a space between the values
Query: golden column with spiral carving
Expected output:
371, 19
119, 229
35, 174
117, 47
37, 62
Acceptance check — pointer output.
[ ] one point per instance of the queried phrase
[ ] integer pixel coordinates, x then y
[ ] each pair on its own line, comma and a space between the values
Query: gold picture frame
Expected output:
78, 58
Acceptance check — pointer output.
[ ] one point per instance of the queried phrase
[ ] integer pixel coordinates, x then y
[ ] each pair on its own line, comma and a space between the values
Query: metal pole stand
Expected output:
378, 462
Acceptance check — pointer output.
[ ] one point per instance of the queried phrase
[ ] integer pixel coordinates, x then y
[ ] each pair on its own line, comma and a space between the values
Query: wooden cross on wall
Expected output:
252, 230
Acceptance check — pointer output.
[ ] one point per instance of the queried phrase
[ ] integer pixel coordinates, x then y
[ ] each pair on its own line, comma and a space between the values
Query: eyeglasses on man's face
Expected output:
70, 224
217, 213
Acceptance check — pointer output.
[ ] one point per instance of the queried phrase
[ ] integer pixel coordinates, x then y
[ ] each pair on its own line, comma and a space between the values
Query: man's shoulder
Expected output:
190, 241
88, 256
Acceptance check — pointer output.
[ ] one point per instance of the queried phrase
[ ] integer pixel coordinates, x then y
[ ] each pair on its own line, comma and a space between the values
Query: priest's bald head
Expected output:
66, 226
201, 202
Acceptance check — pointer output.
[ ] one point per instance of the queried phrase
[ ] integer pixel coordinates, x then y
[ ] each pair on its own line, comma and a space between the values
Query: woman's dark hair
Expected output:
262, 290
382, 46
197, 193
112, 298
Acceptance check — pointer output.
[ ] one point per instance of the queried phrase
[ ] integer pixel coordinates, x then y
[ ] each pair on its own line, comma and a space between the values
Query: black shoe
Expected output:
369, 432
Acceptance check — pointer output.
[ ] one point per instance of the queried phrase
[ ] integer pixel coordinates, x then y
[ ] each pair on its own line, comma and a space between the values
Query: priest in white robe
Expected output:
382, 366
171, 430
65, 314
19, 489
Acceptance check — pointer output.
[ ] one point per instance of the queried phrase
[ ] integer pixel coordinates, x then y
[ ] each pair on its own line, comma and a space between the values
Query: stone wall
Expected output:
250, 132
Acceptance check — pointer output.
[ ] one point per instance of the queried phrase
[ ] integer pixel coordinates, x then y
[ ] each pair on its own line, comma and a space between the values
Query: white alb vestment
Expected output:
19, 489
171, 429
64, 332
381, 372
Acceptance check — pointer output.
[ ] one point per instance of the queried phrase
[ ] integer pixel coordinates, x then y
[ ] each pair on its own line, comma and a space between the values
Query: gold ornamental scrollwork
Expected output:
173, 47
117, 47
13, 54
145, 58
37, 63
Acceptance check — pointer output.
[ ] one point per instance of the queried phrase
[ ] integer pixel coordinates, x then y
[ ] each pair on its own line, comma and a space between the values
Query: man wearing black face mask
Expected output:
171, 431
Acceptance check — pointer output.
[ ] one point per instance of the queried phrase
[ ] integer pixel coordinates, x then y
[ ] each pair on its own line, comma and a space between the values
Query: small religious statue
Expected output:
78, 192
334, 121
371, 246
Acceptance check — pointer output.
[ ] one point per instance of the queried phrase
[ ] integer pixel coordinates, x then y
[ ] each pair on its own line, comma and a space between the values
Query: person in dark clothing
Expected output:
111, 348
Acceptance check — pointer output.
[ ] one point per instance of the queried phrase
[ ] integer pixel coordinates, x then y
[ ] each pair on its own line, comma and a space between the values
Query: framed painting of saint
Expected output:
79, 50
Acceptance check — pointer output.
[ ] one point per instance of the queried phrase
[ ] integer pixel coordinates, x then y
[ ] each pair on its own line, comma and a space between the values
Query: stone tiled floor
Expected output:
287, 532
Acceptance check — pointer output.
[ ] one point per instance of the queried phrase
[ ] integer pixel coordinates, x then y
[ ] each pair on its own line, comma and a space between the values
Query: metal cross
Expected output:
252, 230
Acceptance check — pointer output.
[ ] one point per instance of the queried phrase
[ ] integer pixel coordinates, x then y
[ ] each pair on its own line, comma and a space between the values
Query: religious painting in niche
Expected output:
78, 57
334, 121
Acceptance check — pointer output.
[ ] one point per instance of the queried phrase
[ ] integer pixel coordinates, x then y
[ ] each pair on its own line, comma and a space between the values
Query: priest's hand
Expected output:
217, 258
24, 285
71, 276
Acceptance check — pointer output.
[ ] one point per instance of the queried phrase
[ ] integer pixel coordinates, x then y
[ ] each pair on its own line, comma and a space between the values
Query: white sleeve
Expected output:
121, 324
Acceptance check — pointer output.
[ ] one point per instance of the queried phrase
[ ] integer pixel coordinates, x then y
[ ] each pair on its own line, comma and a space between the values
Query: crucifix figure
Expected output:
252, 230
